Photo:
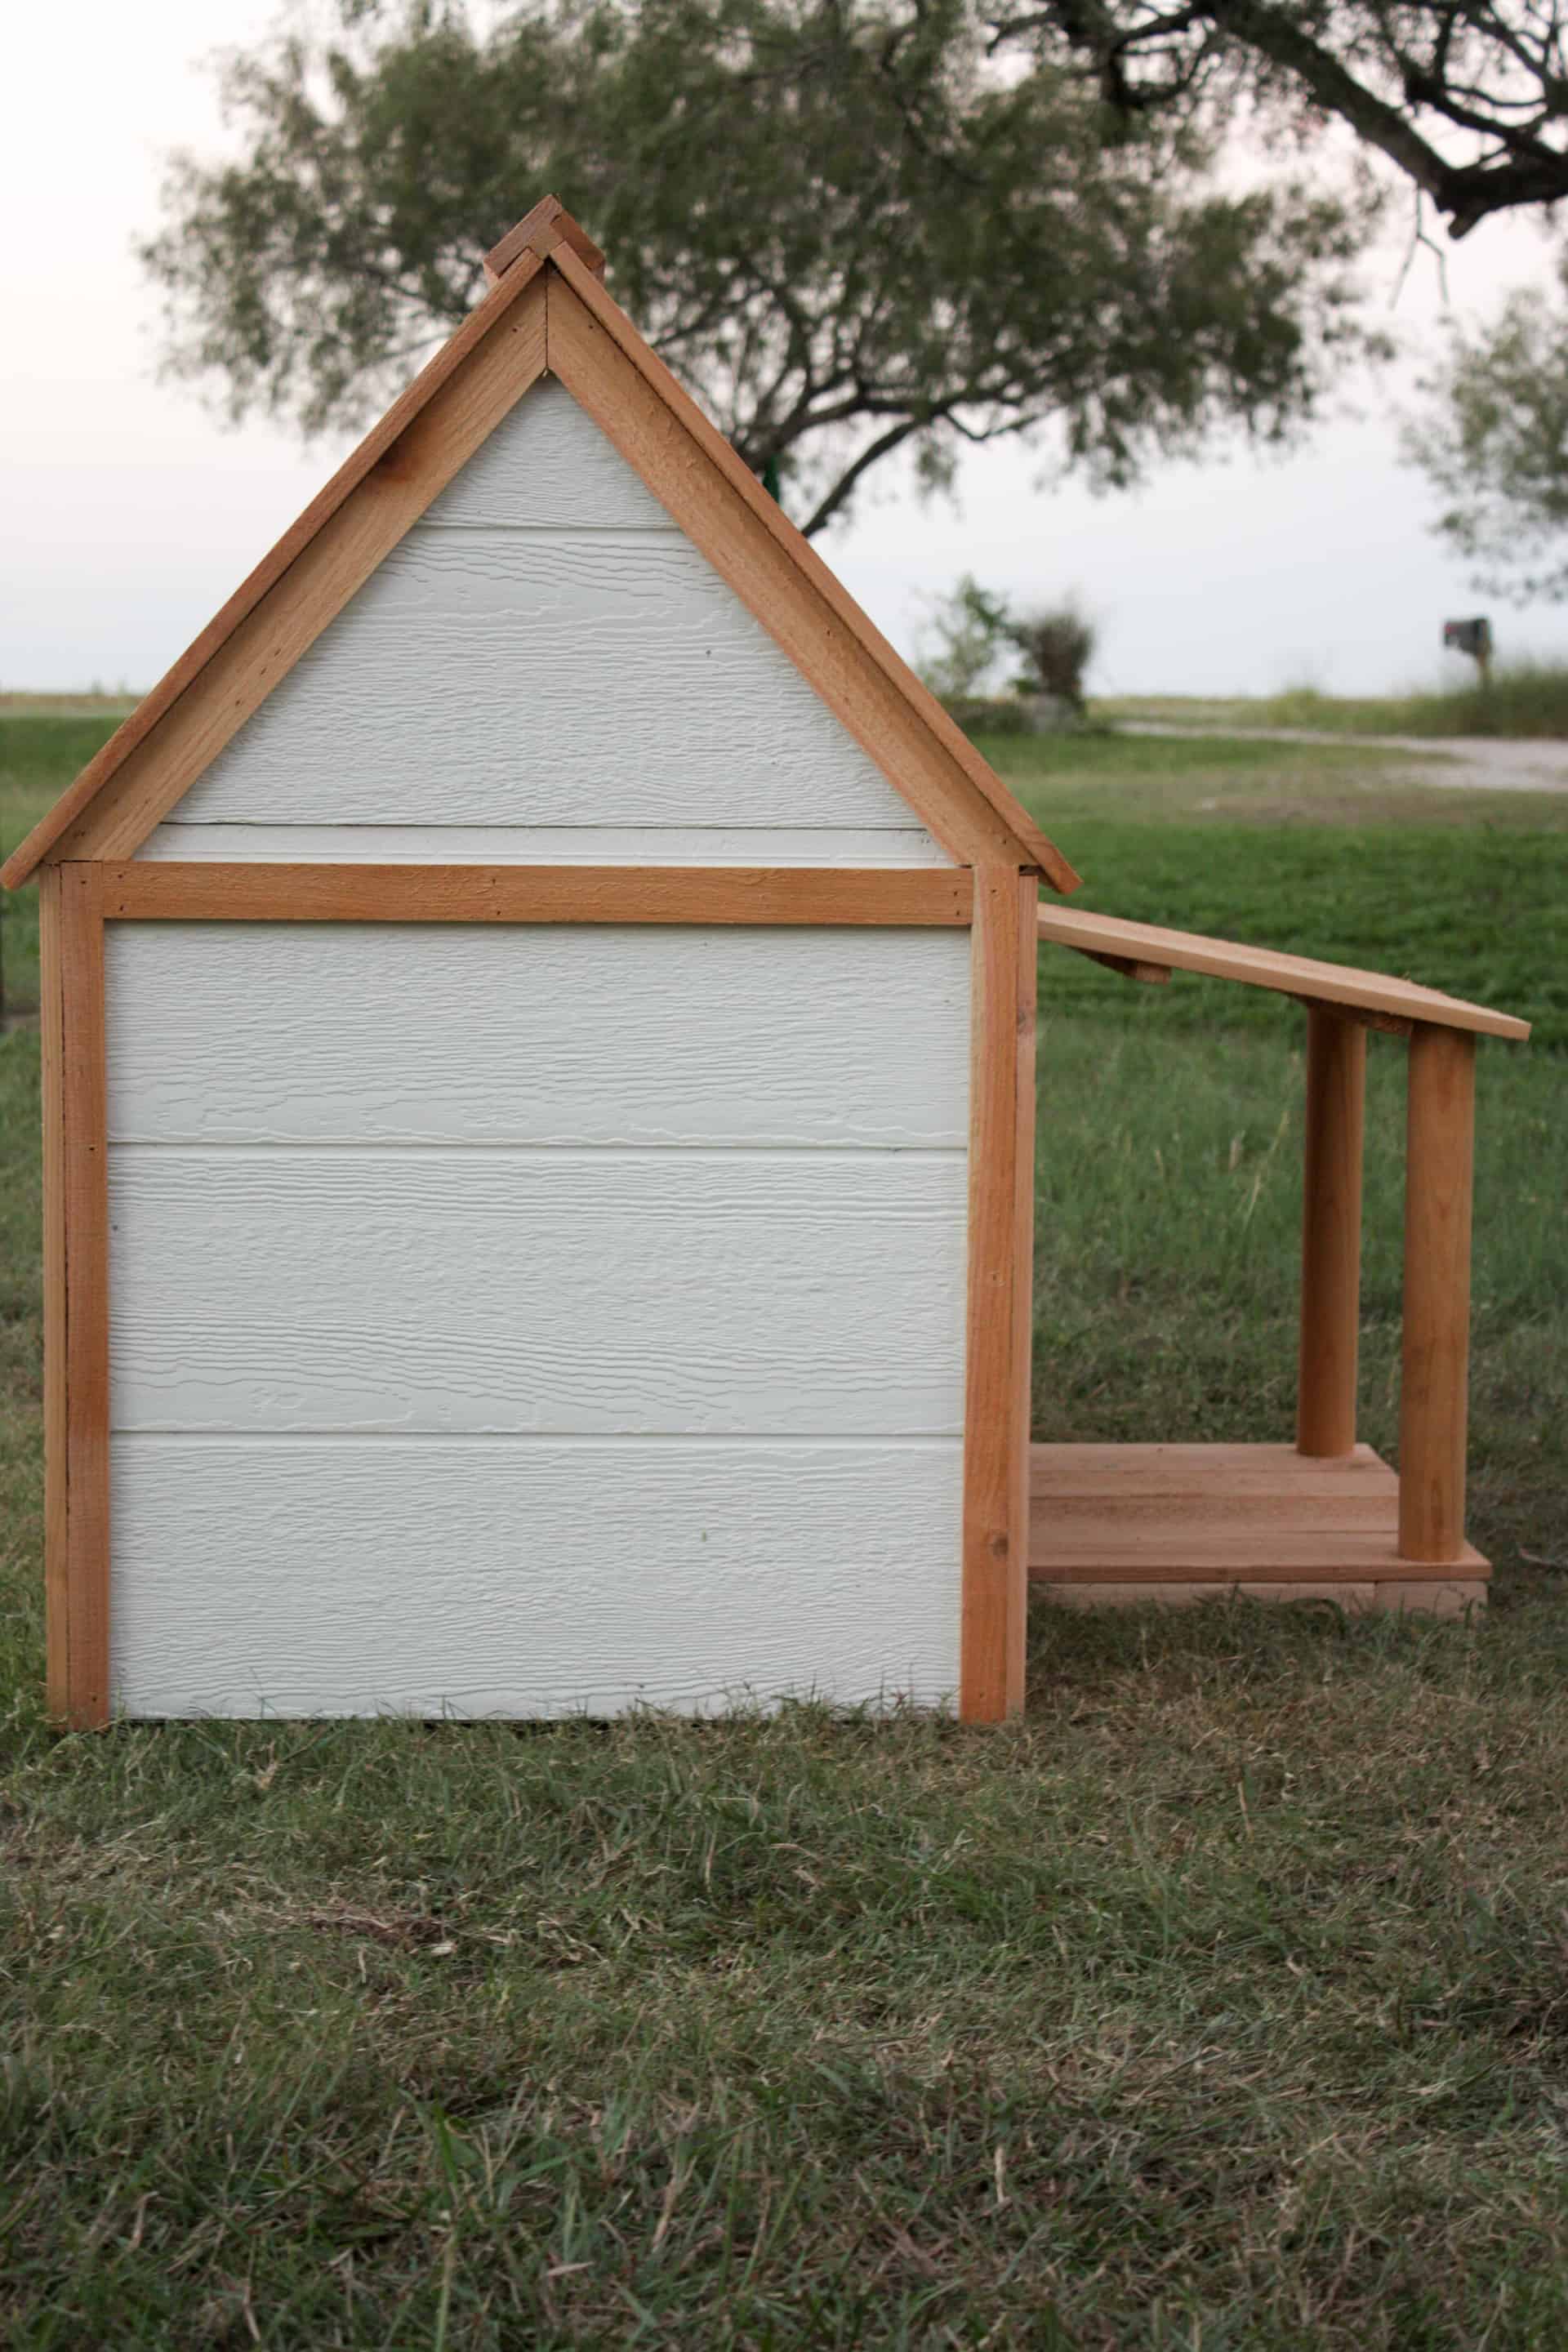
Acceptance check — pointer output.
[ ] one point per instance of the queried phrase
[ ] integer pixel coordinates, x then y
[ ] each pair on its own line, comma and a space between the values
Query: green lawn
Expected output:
1217, 2005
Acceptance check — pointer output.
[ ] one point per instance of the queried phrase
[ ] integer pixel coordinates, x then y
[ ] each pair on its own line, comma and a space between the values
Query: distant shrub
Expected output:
1057, 644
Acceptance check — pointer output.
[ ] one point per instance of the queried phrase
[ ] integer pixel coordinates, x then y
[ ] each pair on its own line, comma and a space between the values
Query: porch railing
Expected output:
1441, 1033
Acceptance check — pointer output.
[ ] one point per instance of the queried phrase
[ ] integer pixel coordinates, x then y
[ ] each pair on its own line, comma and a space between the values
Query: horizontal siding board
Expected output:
508, 1577
485, 677
272, 1033
233, 842
547, 467
785, 1293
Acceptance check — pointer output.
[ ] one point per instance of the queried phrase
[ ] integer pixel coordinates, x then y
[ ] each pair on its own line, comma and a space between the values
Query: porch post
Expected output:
1440, 1162
1330, 1234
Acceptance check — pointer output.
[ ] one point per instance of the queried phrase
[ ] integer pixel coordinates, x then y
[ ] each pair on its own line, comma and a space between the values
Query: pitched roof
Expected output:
546, 310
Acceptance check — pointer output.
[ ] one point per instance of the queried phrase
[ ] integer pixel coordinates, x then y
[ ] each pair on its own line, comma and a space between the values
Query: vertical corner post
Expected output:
77, 1317
1434, 1393
1000, 1297
1330, 1234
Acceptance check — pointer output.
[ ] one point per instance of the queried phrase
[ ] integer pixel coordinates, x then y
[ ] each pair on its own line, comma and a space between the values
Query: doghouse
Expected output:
538, 1034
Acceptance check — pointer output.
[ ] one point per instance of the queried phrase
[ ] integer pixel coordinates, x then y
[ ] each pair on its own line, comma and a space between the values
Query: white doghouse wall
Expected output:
517, 1320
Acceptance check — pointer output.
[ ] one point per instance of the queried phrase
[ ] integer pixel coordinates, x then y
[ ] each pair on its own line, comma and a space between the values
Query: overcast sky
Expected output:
127, 514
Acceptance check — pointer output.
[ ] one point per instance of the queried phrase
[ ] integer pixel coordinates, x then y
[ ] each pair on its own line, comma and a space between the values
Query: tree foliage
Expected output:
971, 630
848, 227
1468, 98
966, 634
1493, 440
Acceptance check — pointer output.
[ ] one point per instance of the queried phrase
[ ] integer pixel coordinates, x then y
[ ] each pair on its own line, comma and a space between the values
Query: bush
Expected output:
1057, 642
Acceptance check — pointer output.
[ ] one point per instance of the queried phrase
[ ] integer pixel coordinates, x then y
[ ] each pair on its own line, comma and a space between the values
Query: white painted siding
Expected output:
516, 1578
540, 844
317, 1033
547, 467
520, 1321
545, 652
792, 1292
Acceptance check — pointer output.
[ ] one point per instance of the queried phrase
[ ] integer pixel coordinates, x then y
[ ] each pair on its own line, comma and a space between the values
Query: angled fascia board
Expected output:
403, 463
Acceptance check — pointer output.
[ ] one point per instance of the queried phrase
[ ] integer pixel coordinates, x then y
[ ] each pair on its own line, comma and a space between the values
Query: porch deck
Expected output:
1111, 1524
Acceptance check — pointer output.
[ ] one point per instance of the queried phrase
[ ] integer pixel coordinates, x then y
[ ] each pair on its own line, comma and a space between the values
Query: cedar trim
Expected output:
52, 1042
146, 767
996, 1386
199, 892
702, 485
345, 531
1021, 1400
940, 749
77, 1314
540, 232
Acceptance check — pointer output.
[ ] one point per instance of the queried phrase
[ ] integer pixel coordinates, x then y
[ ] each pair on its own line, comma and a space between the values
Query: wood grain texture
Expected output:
271, 1034
490, 1290
547, 467
598, 354
84, 1178
1334, 1555
51, 1055
508, 1577
769, 582
1449, 1599
1215, 1515
333, 563
521, 845
545, 226
393, 448
1330, 985
1434, 1394
1023, 1383
995, 1422
1331, 1236
1197, 1471
503, 678
702, 896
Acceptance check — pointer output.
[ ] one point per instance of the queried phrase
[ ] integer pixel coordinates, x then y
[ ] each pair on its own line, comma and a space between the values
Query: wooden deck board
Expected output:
1210, 1518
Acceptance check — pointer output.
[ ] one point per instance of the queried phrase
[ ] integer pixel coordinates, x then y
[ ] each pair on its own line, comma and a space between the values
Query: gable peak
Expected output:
540, 231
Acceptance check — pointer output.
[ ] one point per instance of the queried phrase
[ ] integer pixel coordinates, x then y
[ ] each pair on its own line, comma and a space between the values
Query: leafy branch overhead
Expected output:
849, 227
1468, 99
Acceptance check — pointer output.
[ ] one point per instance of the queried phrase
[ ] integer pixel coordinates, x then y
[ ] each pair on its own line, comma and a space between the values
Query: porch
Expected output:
1326, 1518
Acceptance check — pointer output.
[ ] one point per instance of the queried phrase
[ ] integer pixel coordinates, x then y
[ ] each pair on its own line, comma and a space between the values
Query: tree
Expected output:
1468, 98
1494, 442
967, 633
844, 225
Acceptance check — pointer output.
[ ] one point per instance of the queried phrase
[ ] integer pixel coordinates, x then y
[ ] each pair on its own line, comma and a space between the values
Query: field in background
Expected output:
1218, 2004
1524, 698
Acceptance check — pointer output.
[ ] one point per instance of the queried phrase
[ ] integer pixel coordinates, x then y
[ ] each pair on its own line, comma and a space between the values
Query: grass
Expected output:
1219, 2003
1524, 698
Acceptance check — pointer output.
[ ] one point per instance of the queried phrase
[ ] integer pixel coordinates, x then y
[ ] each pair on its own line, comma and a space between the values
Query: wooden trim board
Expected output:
395, 463
1453, 1596
51, 1043
697, 478
77, 1508
336, 560
996, 1384
535, 894
696, 486
1335, 988
547, 308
